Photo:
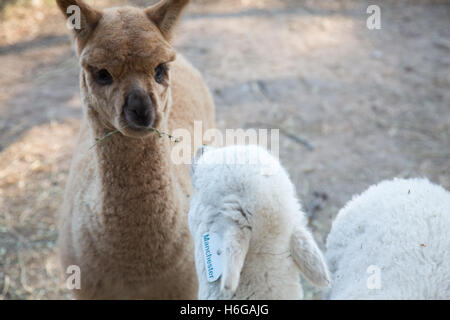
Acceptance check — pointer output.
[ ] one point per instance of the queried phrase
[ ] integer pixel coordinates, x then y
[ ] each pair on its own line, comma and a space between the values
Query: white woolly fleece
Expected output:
243, 194
392, 242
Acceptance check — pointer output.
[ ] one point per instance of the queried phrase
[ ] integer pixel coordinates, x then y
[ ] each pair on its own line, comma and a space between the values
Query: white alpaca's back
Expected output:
392, 242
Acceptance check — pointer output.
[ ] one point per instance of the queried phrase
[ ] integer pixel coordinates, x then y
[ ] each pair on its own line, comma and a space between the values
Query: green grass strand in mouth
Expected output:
110, 133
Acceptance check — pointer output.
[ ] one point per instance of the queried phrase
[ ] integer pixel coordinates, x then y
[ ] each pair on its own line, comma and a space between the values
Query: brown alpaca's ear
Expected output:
82, 18
165, 14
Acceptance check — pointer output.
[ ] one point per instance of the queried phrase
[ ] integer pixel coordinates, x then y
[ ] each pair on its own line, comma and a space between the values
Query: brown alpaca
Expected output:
124, 216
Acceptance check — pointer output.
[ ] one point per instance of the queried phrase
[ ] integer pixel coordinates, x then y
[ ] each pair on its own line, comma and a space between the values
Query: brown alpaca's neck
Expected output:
134, 173
140, 198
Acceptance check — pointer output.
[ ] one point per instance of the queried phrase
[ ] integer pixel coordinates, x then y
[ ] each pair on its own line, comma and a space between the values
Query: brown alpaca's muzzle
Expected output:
139, 111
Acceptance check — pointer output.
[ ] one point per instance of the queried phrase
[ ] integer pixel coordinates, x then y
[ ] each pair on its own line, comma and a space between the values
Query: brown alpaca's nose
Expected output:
139, 110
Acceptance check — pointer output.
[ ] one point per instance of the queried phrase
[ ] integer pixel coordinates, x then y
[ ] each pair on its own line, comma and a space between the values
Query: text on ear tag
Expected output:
212, 246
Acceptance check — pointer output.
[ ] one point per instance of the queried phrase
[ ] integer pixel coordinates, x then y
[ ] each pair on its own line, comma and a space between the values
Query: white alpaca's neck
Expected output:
269, 275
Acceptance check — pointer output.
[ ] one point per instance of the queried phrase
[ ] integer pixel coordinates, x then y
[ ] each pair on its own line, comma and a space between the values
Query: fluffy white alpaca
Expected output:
392, 242
244, 197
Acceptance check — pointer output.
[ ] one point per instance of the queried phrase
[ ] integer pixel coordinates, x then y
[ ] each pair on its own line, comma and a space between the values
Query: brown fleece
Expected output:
124, 216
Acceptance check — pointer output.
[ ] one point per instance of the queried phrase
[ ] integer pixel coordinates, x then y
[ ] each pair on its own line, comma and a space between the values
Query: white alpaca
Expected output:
245, 199
392, 242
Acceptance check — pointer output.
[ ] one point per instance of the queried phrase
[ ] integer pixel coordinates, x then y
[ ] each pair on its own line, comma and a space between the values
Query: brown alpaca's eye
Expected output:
160, 73
103, 77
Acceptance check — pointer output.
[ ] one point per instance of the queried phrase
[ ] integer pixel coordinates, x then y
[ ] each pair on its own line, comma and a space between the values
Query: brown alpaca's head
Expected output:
125, 58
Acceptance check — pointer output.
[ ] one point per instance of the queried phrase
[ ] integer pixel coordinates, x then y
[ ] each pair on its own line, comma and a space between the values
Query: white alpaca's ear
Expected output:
198, 154
165, 14
309, 258
235, 247
201, 151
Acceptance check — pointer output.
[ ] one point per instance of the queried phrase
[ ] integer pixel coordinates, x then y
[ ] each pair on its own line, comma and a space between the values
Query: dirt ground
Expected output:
355, 106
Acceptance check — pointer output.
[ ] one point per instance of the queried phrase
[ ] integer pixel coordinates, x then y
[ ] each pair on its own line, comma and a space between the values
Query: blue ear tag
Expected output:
212, 247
